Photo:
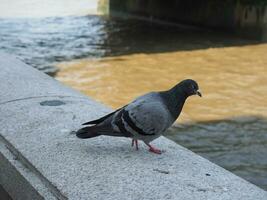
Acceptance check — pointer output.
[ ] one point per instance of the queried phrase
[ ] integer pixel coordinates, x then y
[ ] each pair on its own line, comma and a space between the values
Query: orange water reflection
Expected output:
233, 80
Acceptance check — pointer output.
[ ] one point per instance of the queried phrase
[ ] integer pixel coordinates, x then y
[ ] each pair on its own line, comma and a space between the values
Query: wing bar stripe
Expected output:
129, 121
121, 126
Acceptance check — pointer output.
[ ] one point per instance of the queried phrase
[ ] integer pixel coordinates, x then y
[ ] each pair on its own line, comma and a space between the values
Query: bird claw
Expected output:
151, 148
155, 150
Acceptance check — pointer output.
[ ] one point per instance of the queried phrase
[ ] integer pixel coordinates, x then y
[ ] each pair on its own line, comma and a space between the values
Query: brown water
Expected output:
228, 125
233, 80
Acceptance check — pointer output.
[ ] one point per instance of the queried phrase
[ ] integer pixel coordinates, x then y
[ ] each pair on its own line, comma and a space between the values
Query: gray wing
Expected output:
146, 118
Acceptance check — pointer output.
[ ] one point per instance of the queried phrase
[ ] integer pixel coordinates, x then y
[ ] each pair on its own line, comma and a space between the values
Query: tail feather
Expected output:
94, 131
87, 132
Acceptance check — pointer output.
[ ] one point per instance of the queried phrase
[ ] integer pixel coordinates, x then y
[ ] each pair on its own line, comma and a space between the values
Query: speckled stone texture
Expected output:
37, 118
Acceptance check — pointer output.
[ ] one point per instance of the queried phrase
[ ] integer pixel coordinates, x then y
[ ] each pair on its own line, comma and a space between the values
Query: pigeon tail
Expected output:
88, 132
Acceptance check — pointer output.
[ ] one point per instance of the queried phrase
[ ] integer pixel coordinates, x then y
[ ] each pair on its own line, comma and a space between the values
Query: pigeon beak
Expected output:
198, 93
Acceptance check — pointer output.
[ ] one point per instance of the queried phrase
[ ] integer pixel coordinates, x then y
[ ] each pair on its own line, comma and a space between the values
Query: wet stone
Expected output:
52, 103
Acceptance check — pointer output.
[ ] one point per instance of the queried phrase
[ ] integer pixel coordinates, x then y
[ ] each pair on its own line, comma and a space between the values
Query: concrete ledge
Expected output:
40, 157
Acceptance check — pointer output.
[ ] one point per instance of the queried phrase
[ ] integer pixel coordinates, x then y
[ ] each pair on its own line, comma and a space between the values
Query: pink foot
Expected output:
135, 142
154, 149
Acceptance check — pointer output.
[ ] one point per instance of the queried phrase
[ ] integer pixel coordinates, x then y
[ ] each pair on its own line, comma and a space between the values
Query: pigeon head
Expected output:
190, 87
177, 95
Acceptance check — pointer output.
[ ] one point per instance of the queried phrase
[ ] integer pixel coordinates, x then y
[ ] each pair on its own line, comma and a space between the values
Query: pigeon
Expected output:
146, 118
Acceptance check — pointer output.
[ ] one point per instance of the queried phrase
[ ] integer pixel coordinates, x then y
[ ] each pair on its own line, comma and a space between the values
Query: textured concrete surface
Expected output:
40, 154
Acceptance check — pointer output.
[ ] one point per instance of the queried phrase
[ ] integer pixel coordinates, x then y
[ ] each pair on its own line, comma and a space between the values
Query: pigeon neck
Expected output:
174, 99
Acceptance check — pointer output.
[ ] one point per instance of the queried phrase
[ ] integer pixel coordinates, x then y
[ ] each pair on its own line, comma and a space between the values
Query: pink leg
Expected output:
153, 149
135, 142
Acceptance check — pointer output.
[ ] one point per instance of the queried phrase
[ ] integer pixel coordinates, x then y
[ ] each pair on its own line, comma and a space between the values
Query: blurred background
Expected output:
115, 52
